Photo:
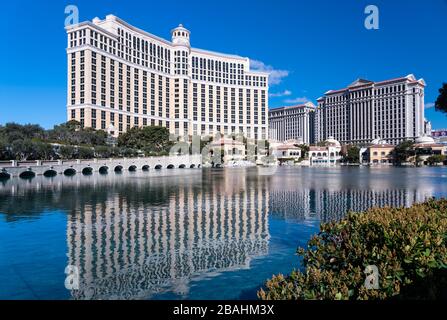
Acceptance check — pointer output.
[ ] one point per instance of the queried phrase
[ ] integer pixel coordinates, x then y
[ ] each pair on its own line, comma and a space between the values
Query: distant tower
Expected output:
182, 69
180, 36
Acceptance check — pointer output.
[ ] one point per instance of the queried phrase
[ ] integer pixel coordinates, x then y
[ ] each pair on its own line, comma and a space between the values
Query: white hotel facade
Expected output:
120, 76
392, 110
292, 123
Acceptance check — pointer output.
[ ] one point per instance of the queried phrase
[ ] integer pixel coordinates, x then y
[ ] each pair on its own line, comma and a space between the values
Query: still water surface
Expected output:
189, 234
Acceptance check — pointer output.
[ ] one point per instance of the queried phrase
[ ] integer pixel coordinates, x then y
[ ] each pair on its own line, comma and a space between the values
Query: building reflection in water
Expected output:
331, 198
137, 235
328, 205
130, 250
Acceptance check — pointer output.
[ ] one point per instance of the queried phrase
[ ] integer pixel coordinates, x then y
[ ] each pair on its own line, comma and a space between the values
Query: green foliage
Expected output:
105, 152
304, 150
43, 151
148, 139
12, 132
352, 155
128, 152
67, 152
408, 246
30, 142
5, 153
435, 159
441, 101
403, 151
31, 150
71, 133
85, 153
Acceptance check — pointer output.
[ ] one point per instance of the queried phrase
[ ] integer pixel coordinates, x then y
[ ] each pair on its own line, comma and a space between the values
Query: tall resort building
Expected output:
392, 110
292, 123
120, 76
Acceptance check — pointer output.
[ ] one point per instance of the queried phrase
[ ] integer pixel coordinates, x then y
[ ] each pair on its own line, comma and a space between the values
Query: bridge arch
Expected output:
70, 172
158, 167
182, 166
87, 171
104, 170
50, 173
170, 166
4, 175
27, 174
145, 168
132, 168
192, 166
118, 169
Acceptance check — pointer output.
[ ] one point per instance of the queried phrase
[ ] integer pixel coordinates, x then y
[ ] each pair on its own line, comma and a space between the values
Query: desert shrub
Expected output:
407, 245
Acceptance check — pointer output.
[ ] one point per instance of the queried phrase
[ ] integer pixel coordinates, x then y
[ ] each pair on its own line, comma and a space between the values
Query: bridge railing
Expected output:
15, 163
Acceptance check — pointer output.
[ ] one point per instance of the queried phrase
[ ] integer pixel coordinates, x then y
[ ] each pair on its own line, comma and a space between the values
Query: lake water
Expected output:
181, 234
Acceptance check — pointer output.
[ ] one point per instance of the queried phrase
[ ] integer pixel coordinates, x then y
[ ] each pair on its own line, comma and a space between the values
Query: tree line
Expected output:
71, 141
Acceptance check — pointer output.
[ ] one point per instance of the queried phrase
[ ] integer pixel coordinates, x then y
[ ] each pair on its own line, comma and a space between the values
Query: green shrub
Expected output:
435, 159
407, 245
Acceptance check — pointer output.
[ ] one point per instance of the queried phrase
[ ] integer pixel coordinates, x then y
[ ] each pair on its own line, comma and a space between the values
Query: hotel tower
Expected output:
365, 110
120, 76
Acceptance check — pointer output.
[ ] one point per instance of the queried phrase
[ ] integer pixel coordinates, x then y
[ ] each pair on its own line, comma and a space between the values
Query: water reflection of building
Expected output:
128, 250
328, 205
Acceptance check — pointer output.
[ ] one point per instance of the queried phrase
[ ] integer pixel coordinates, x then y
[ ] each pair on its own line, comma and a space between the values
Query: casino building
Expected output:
391, 109
294, 122
120, 76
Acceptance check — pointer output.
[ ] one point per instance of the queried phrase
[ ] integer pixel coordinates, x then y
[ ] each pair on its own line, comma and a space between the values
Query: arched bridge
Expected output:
26, 169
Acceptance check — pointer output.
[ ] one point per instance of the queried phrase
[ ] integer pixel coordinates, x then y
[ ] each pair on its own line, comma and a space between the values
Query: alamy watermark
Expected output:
372, 277
72, 17
372, 18
72, 279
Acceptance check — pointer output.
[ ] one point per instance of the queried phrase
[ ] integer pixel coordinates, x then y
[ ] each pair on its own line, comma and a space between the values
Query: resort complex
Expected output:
136, 166
121, 77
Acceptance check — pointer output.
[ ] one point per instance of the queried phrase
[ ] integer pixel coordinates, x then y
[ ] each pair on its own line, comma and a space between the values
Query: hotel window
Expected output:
103, 120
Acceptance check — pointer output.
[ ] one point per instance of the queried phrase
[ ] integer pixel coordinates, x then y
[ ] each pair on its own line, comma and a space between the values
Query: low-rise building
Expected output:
379, 152
287, 152
229, 150
425, 147
326, 155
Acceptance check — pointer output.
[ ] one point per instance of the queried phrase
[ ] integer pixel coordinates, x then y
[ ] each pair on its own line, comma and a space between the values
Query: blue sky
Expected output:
312, 46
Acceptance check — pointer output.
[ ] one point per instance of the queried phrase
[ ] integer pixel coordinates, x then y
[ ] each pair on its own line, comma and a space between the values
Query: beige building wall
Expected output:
380, 154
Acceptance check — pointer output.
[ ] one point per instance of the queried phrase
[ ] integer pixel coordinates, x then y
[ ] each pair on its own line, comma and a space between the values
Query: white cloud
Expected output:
275, 77
429, 105
284, 93
298, 100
